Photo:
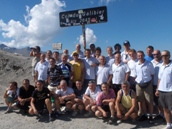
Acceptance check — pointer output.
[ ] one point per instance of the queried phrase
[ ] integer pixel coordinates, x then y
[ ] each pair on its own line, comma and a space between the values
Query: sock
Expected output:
112, 116
168, 125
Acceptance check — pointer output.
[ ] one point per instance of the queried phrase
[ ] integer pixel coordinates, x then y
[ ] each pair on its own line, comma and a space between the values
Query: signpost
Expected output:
83, 17
57, 46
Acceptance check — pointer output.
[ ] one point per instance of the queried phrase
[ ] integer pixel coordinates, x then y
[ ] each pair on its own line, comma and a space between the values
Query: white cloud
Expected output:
90, 37
42, 25
105, 1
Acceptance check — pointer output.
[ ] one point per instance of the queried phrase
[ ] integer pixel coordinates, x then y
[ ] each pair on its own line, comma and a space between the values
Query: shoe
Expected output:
88, 114
150, 120
14, 104
133, 120
63, 109
50, 118
119, 121
111, 120
38, 116
142, 118
158, 117
8, 110
74, 113
81, 111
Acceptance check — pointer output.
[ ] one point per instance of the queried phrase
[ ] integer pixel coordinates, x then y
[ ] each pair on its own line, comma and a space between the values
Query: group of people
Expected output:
122, 85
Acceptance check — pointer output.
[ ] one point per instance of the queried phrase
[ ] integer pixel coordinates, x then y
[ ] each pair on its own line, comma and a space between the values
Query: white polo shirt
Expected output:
90, 71
165, 76
68, 91
124, 56
42, 70
156, 66
144, 72
103, 73
109, 60
132, 67
94, 94
119, 72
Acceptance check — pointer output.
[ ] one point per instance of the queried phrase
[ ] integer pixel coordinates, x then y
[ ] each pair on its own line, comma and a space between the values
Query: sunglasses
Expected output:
165, 55
155, 54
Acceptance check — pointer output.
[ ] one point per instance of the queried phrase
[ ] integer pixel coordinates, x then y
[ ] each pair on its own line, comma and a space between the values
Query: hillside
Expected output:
14, 68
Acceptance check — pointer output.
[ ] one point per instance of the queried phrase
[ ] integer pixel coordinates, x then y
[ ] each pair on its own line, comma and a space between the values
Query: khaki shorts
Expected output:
145, 93
33, 72
51, 88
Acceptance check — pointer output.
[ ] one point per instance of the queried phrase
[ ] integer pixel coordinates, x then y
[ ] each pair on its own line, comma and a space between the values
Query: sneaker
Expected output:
74, 113
142, 118
8, 110
150, 120
63, 109
38, 116
50, 117
119, 121
81, 111
14, 104
111, 120
88, 114
158, 117
133, 120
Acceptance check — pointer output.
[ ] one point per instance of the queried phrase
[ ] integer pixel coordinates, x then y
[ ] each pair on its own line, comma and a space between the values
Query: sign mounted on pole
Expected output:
83, 16
57, 46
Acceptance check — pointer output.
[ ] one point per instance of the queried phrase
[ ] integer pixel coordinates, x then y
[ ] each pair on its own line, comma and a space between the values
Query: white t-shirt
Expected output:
42, 70
68, 91
94, 94
103, 73
165, 76
109, 60
144, 72
90, 71
132, 67
156, 66
124, 56
119, 72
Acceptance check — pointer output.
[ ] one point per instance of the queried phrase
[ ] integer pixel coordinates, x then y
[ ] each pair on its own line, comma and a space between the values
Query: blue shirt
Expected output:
149, 58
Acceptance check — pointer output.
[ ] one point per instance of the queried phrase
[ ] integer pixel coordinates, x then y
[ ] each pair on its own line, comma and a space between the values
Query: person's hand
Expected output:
104, 114
125, 117
119, 115
157, 93
35, 112
77, 100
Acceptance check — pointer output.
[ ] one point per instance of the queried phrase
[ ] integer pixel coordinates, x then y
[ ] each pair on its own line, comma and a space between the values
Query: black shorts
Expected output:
165, 99
106, 108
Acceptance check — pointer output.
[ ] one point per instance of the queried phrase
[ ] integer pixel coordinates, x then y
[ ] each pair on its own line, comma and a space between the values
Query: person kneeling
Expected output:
126, 103
106, 102
39, 99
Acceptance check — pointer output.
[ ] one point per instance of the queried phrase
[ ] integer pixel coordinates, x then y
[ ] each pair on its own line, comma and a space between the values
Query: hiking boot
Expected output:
81, 111
74, 113
150, 120
142, 118
88, 114
158, 117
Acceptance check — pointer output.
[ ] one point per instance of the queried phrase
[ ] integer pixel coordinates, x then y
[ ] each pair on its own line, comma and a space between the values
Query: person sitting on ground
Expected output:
126, 103
90, 98
106, 102
65, 96
40, 97
10, 96
25, 93
78, 105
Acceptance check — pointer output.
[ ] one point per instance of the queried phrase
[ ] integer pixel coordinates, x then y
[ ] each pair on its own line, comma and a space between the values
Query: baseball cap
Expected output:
36, 47
126, 42
75, 53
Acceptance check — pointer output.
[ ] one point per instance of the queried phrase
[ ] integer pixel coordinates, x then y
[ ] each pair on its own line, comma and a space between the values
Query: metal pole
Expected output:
84, 35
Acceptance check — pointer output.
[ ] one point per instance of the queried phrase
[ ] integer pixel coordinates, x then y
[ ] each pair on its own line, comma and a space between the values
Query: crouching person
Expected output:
106, 102
78, 105
126, 103
65, 96
90, 98
40, 97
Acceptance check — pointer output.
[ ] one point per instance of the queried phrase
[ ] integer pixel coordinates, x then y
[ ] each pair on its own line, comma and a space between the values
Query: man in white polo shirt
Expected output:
157, 62
110, 58
90, 64
164, 90
120, 72
144, 88
103, 73
41, 70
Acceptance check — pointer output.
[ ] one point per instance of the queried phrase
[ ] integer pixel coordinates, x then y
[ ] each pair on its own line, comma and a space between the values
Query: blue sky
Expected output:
36, 22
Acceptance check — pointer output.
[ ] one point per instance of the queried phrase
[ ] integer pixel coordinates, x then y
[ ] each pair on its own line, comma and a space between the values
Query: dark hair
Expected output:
140, 51
98, 49
40, 81
52, 59
151, 47
56, 52
14, 83
117, 53
117, 45
88, 50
